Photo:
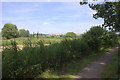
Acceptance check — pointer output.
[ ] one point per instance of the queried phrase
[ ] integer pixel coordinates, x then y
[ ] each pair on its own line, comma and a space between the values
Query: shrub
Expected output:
80, 46
10, 60
109, 39
76, 48
98, 37
93, 37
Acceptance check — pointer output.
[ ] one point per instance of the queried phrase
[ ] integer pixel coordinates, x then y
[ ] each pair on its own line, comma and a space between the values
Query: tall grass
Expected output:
36, 59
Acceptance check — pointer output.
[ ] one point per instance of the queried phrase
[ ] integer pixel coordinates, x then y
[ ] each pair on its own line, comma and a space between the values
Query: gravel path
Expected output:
94, 69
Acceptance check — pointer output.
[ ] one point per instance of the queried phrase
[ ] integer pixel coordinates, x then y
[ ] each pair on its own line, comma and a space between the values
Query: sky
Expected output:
49, 17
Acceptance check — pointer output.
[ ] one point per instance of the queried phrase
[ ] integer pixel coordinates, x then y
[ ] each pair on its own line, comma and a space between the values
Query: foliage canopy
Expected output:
70, 34
109, 11
24, 33
10, 31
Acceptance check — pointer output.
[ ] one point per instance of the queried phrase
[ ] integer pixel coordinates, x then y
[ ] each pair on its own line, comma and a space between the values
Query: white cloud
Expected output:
45, 23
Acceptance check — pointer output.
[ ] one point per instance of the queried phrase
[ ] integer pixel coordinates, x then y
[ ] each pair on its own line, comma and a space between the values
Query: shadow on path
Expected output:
94, 69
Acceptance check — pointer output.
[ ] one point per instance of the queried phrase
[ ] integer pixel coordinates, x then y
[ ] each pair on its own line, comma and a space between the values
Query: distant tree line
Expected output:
11, 31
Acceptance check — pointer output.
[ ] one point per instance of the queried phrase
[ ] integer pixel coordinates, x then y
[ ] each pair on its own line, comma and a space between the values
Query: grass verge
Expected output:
111, 69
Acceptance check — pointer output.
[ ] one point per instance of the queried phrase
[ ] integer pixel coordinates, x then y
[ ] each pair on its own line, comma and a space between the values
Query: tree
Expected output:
109, 39
10, 31
110, 11
24, 33
70, 34
98, 37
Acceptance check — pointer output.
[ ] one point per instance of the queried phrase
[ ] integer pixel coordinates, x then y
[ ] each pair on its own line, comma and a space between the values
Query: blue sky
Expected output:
49, 17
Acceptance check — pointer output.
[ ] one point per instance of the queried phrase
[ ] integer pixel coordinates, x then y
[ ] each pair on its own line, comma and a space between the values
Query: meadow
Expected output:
20, 40
46, 40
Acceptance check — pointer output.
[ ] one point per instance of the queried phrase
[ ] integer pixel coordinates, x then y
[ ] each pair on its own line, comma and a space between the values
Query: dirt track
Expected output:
94, 69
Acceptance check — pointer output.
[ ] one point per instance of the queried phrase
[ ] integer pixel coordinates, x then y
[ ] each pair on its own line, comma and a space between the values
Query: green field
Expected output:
45, 40
23, 39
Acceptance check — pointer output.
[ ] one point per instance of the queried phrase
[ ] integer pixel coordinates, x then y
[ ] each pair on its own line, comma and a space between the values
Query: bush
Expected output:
10, 60
80, 46
98, 37
109, 39
93, 37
